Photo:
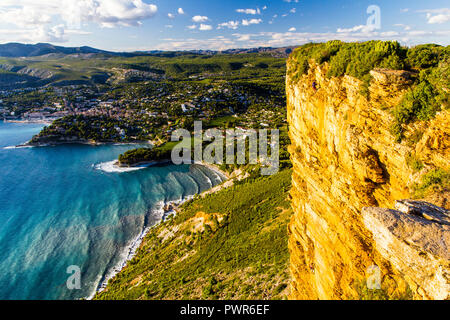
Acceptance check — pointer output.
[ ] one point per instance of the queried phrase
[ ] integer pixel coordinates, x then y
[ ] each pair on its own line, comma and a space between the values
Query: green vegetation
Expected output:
92, 128
159, 153
228, 245
430, 92
382, 294
354, 59
432, 182
414, 162
136, 156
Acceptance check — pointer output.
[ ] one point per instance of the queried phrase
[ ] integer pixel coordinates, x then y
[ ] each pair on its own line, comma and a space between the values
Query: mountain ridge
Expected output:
18, 50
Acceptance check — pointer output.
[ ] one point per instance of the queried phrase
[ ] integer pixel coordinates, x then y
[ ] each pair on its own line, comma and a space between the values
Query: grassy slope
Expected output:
239, 251
67, 68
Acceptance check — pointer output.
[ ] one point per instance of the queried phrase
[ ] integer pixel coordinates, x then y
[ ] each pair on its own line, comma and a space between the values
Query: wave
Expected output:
17, 147
111, 167
161, 211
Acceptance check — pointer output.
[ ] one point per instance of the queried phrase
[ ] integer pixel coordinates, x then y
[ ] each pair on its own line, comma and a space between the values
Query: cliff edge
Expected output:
348, 165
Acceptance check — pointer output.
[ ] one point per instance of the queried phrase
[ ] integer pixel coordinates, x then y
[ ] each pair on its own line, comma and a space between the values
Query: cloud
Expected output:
438, 16
361, 28
296, 1
180, 11
293, 10
230, 25
243, 37
292, 29
246, 22
192, 27
249, 11
216, 43
205, 27
51, 20
281, 39
404, 26
200, 19
171, 16
107, 13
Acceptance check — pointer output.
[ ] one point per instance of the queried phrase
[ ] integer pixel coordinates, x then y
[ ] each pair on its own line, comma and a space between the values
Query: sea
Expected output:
66, 208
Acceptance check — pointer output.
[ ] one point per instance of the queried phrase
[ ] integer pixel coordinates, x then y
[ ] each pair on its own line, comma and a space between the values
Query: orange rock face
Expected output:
345, 159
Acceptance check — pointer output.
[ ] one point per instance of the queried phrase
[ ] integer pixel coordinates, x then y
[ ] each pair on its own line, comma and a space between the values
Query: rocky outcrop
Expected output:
415, 239
346, 159
31, 72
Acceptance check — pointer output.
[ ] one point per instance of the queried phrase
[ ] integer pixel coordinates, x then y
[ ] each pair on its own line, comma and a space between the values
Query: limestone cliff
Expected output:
346, 159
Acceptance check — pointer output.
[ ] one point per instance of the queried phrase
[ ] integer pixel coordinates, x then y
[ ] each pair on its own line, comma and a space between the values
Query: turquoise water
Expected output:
58, 209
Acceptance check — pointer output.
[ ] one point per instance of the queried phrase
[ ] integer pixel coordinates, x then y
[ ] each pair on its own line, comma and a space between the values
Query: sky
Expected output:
139, 25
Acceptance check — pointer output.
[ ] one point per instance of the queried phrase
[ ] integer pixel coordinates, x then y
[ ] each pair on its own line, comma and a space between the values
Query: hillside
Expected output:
99, 68
231, 244
16, 50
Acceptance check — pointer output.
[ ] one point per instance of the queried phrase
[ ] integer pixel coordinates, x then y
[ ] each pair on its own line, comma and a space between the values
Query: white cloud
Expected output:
438, 16
230, 25
293, 10
404, 26
50, 20
292, 29
244, 37
281, 39
192, 27
205, 27
361, 28
246, 22
200, 19
180, 11
171, 15
249, 11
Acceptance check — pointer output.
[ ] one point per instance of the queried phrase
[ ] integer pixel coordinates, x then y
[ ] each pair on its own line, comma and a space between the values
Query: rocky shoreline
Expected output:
84, 142
166, 210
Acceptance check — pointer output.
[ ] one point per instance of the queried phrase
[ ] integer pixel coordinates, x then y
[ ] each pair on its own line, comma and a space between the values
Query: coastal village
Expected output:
145, 110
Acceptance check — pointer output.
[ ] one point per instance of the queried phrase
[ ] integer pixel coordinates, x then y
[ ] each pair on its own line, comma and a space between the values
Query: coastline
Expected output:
47, 122
165, 210
83, 142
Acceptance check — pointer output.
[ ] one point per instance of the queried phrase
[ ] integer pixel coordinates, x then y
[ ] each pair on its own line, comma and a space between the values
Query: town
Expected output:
147, 110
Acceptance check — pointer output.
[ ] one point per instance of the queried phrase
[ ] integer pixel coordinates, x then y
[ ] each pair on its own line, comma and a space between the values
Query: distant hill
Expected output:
282, 52
23, 65
15, 50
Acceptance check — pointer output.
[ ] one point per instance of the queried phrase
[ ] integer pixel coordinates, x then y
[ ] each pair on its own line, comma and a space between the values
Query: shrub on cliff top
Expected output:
418, 103
357, 59
354, 59
424, 56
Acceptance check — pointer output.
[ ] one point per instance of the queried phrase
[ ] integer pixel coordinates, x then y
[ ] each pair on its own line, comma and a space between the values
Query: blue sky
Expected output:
128, 25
